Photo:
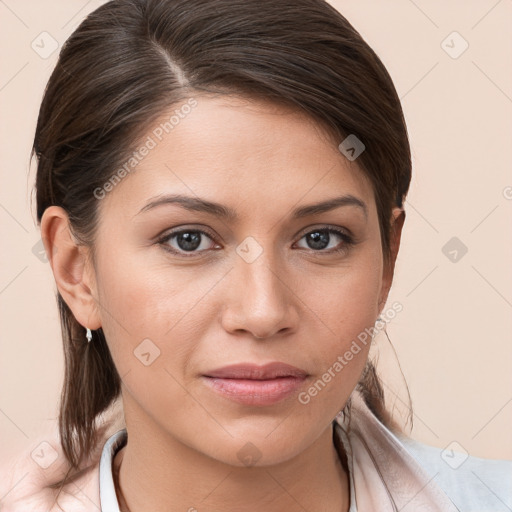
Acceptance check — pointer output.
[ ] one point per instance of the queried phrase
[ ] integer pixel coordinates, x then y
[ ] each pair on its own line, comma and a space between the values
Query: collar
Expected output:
108, 498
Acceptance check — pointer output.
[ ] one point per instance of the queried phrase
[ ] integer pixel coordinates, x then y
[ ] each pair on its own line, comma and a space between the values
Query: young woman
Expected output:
220, 191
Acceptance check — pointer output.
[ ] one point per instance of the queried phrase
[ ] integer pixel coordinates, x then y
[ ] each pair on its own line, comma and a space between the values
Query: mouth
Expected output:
250, 384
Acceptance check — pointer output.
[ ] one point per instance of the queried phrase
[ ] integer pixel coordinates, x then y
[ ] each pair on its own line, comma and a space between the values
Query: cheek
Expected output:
346, 307
135, 305
153, 308
345, 299
149, 333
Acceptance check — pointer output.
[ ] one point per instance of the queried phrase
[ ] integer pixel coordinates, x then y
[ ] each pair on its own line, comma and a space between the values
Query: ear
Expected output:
397, 223
73, 273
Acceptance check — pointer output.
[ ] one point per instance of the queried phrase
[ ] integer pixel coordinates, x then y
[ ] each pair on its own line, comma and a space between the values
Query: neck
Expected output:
157, 472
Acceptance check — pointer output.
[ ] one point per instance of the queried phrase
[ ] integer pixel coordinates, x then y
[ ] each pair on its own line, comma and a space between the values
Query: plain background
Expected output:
453, 337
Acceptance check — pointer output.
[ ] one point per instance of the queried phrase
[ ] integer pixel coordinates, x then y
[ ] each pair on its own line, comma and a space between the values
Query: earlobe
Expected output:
69, 265
397, 223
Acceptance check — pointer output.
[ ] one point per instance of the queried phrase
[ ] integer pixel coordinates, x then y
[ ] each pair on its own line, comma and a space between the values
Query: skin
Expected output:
294, 303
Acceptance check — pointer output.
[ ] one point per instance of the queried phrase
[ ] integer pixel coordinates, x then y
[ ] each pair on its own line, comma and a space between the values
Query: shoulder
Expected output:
25, 489
26, 479
472, 483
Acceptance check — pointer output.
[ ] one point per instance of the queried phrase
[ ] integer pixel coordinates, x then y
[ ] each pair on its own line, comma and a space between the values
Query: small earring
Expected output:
88, 335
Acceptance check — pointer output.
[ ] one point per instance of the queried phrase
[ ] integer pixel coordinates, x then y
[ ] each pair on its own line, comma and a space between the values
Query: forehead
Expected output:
238, 152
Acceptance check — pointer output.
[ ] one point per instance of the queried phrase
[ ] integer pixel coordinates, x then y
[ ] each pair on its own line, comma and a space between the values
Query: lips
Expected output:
254, 385
255, 372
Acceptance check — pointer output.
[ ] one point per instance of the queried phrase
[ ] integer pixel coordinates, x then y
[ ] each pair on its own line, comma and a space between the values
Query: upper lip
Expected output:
256, 372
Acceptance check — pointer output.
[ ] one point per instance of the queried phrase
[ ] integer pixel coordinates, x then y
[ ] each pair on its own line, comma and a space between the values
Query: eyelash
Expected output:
347, 244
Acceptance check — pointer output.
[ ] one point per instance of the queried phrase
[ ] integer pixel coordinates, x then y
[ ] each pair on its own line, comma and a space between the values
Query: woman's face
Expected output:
260, 286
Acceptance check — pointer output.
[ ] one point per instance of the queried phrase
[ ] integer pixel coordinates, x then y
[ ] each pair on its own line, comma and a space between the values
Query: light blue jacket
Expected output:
473, 484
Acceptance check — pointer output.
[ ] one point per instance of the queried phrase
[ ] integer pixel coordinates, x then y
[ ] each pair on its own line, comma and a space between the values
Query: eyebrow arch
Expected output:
330, 204
219, 210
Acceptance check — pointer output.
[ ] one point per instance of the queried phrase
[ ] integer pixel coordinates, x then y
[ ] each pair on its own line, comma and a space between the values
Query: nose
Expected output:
260, 299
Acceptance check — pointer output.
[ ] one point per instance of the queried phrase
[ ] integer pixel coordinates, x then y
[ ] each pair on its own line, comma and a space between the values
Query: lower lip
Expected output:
256, 392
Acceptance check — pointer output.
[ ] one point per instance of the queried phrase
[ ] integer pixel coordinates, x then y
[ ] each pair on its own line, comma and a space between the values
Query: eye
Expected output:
186, 241
196, 241
325, 238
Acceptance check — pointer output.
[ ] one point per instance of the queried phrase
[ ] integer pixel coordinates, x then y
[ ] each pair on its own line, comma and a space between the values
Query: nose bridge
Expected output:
261, 301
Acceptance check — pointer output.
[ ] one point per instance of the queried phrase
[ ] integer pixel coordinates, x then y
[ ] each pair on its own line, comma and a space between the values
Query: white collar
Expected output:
108, 498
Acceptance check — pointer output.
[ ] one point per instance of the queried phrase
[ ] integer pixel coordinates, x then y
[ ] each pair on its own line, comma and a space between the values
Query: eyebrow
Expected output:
224, 212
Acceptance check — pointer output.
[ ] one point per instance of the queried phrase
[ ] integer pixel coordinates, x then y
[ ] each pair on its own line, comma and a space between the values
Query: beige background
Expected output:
453, 337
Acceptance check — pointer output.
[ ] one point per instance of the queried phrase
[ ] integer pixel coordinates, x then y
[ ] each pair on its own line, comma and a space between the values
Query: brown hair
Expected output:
131, 60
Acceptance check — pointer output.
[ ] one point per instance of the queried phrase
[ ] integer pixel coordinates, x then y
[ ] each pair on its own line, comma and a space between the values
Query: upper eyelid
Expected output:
327, 227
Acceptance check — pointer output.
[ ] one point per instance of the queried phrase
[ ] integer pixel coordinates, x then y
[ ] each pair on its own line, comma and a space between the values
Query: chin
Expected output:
254, 447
